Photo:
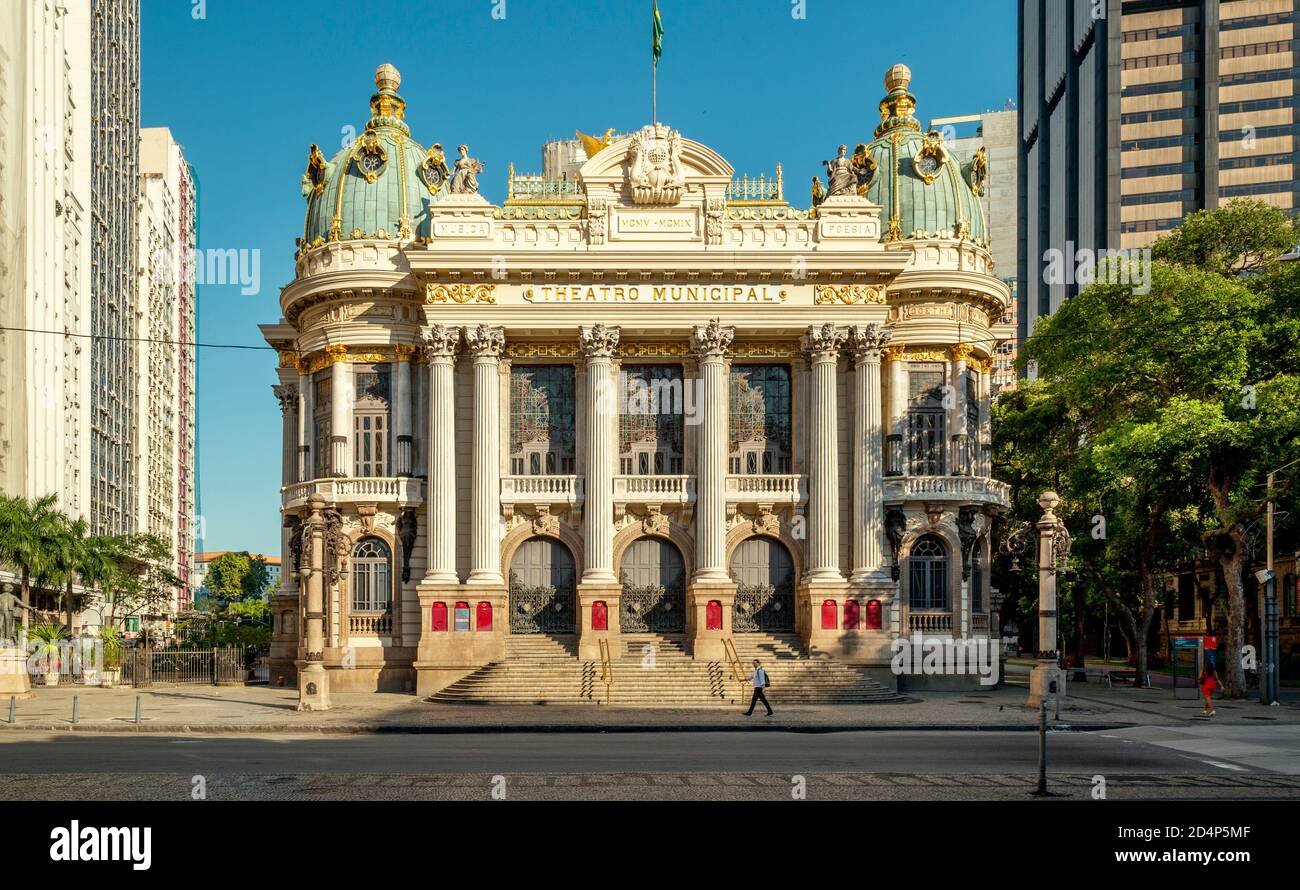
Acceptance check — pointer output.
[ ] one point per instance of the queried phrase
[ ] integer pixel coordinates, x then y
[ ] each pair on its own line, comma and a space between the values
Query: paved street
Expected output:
1147, 762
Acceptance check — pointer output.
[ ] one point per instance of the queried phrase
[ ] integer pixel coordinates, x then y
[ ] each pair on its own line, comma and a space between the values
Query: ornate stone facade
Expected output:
679, 381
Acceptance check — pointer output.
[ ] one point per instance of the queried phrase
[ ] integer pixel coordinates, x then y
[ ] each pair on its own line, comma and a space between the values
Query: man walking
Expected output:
760, 681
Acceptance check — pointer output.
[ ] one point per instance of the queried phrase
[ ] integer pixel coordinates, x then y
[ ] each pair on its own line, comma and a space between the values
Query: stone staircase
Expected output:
655, 670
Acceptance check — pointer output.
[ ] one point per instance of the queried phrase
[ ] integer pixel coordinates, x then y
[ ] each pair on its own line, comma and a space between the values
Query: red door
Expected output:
713, 615
599, 615
439, 619
852, 615
483, 618
830, 615
874, 618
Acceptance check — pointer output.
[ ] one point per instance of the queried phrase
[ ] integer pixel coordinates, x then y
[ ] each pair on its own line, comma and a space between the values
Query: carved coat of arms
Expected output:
654, 166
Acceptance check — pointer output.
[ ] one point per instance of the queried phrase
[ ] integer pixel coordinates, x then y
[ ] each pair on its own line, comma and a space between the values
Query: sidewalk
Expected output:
260, 709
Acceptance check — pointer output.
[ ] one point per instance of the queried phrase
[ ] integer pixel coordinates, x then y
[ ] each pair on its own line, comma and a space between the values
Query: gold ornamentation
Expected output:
849, 294
930, 160
960, 352
925, 355
593, 146
653, 349
894, 353
313, 181
460, 293
768, 349
541, 350
979, 172
289, 358
404, 352
335, 354
370, 155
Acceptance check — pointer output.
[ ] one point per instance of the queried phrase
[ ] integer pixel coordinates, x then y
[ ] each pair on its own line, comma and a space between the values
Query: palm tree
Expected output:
78, 556
28, 534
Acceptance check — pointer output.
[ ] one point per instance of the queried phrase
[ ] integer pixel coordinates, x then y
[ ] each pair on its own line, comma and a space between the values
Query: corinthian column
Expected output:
402, 408
822, 345
961, 433
340, 412
710, 343
440, 354
306, 426
287, 394
868, 450
485, 344
598, 343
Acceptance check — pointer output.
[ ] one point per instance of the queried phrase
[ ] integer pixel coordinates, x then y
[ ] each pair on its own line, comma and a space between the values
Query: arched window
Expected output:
372, 589
927, 580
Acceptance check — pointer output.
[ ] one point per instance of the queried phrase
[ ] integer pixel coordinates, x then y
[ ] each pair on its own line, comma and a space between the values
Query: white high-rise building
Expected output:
163, 437
45, 235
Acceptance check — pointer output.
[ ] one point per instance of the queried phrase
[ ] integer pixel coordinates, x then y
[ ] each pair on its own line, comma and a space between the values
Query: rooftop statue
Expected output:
465, 180
841, 179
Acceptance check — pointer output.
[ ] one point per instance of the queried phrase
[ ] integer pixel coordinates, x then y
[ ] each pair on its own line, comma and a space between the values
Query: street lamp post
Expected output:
1047, 678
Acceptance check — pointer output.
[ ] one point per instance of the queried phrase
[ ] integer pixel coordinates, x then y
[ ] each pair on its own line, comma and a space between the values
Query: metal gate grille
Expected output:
179, 667
652, 608
541, 609
762, 608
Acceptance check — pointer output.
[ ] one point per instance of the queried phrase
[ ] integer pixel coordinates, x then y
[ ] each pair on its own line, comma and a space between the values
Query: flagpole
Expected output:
654, 73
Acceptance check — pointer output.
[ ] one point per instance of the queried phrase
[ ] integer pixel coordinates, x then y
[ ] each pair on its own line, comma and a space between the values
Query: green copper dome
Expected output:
380, 185
924, 191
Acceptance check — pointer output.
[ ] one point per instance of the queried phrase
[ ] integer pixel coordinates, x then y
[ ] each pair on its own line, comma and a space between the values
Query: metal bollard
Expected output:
13, 703
137, 710
1042, 751
74, 709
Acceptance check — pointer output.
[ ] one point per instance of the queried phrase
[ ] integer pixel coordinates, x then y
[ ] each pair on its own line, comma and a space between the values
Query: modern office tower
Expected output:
45, 251
1135, 113
115, 113
163, 439
997, 133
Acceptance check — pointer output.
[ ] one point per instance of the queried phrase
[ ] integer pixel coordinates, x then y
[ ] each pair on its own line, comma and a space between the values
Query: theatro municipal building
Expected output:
642, 422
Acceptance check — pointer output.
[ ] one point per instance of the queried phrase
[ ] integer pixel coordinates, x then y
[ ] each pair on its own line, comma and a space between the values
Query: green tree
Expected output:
29, 532
238, 610
1186, 395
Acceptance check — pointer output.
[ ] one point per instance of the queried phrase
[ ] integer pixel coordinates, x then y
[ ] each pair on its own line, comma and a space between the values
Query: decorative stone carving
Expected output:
408, 527
598, 341
970, 525
485, 340
841, 178
654, 166
767, 523
338, 547
459, 293
287, 394
823, 342
597, 221
464, 181
713, 221
655, 523
849, 294
546, 523
866, 341
296, 528
895, 529
441, 341
711, 340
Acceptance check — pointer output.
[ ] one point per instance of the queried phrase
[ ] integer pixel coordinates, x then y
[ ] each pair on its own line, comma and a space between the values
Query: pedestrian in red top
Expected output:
1208, 680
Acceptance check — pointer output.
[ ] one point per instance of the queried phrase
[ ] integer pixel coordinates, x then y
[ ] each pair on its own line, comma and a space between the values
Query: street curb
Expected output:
476, 729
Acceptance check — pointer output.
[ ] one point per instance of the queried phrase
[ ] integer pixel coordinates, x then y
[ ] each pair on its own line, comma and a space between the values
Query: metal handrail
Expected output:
606, 668
733, 659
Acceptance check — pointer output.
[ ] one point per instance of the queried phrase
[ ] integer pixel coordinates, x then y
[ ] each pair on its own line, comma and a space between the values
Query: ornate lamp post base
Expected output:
313, 687
1046, 677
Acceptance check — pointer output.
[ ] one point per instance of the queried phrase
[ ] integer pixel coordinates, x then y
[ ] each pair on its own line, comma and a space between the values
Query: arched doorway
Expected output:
764, 576
654, 588
543, 588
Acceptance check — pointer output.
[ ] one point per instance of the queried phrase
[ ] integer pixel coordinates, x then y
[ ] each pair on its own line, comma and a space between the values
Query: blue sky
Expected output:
246, 89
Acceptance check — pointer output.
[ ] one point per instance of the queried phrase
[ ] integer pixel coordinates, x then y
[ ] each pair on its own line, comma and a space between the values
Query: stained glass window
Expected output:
651, 420
760, 419
541, 420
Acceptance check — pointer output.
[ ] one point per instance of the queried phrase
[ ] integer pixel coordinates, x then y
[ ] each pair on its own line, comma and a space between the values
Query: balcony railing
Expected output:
654, 489
537, 491
785, 489
402, 490
947, 488
929, 622
370, 624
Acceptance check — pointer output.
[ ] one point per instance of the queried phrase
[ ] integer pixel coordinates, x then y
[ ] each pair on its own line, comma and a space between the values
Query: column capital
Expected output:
404, 352
961, 352
485, 341
598, 341
893, 352
711, 341
287, 394
867, 341
822, 343
441, 341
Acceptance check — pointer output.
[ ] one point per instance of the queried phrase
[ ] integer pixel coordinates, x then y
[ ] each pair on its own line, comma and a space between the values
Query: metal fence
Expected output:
177, 667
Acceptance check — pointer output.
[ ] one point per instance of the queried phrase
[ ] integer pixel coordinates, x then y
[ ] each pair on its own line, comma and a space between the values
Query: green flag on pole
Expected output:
658, 34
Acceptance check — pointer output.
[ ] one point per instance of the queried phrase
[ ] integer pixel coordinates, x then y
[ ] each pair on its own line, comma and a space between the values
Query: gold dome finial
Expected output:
899, 77
387, 77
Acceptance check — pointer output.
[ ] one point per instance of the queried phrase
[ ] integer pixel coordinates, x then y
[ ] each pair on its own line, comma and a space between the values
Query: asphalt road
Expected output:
848, 765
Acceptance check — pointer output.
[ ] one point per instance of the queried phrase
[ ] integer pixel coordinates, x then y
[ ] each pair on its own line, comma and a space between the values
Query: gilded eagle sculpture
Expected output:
593, 146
